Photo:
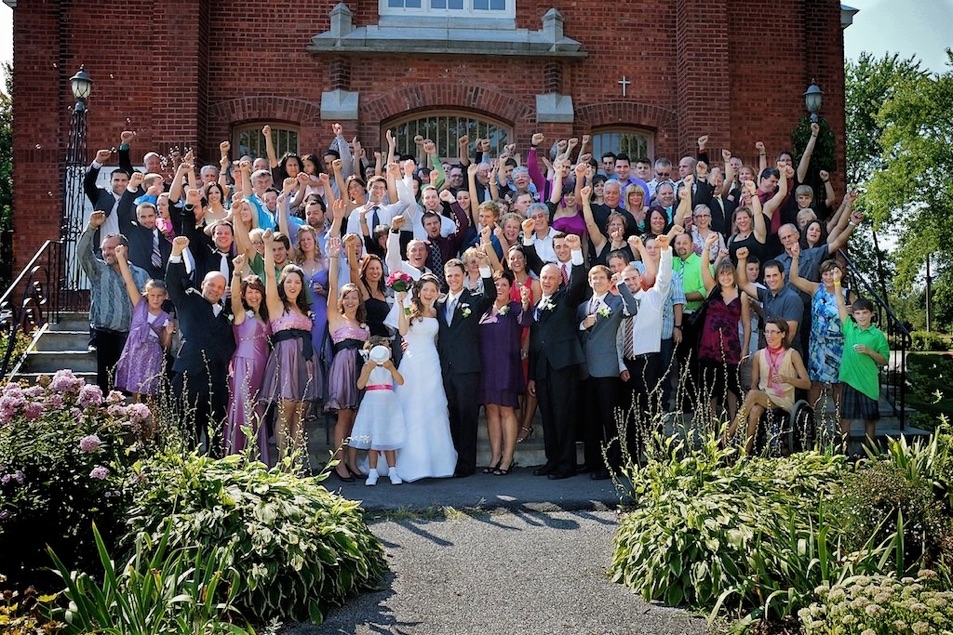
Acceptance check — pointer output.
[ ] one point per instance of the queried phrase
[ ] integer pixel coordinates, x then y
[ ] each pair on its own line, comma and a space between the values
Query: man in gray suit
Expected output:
599, 319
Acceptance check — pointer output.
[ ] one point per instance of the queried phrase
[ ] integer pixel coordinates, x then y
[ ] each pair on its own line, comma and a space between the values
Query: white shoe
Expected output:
372, 477
394, 476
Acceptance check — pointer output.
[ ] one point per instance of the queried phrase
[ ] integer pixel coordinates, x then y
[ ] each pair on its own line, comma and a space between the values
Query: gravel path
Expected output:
514, 571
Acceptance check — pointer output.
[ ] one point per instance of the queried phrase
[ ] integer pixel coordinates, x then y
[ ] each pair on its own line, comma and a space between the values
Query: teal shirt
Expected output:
859, 370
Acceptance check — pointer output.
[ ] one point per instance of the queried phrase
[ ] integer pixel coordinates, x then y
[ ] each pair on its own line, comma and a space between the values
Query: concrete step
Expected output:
31, 378
62, 340
71, 322
49, 362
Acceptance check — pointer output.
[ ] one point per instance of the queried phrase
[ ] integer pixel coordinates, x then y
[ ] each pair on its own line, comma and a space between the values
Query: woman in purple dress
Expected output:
293, 376
314, 265
150, 333
720, 345
502, 378
346, 319
247, 372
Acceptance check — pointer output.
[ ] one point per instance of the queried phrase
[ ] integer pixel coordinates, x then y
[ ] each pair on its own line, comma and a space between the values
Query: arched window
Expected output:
248, 139
445, 129
631, 141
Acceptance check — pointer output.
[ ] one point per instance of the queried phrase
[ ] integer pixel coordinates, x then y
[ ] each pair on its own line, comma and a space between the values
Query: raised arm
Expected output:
794, 275
762, 156
334, 258
238, 311
707, 279
773, 203
393, 257
839, 222
729, 174
272, 299
596, 237
122, 259
471, 185
391, 147
463, 143
270, 147
805, 161
841, 305
759, 229
242, 239
532, 164
741, 276
340, 144
487, 247
835, 244
684, 209
430, 150
175, 190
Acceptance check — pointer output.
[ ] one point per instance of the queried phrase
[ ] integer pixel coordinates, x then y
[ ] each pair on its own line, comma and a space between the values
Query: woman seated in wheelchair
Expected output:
776, 371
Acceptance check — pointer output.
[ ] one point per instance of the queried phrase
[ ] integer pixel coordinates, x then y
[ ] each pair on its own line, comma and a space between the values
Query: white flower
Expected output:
465, 310
604, 311
503, 310
548, 305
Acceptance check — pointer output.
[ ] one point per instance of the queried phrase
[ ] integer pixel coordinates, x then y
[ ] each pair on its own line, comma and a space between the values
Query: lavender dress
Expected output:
247, 375
293, 372
140, 365
319, 309
346, 368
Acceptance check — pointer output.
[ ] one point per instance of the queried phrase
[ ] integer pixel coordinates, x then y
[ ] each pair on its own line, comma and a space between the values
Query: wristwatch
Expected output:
394, 231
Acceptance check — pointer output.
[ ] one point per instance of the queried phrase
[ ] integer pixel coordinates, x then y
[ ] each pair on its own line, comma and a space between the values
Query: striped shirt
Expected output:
110, 307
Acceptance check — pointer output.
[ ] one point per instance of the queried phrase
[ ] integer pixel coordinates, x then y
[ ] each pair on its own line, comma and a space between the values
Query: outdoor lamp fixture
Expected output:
812, 99
82, 85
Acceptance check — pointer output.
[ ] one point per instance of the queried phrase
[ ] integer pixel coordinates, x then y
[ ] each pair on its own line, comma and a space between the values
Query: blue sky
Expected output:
881, 26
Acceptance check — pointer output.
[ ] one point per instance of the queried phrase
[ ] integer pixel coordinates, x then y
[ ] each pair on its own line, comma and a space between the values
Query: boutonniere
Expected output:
231, 318
604, 311
465, 310
548, 305
503, 310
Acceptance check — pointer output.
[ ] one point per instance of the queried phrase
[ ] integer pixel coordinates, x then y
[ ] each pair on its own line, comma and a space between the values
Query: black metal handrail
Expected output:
31, 301
895, 379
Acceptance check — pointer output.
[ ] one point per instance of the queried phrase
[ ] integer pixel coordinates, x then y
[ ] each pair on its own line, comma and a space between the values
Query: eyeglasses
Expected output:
702, 215
767, 332
663, 175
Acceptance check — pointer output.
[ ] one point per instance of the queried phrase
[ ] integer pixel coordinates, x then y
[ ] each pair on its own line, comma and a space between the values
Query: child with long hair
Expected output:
150, 333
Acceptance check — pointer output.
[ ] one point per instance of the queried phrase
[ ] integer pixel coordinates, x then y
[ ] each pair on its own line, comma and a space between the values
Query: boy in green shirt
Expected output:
865, 351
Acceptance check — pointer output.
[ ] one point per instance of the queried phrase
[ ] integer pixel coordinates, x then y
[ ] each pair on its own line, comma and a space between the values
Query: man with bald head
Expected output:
200, 371
554, 358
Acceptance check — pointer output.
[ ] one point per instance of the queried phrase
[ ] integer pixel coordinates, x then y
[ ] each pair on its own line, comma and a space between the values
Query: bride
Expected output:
428, 449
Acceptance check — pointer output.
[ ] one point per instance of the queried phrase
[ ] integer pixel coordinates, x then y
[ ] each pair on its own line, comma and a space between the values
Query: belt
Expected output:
379, 387
290, 334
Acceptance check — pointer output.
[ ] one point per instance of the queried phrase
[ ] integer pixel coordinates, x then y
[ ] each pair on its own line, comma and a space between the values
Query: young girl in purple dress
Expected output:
247, 372
150, 333
346, 320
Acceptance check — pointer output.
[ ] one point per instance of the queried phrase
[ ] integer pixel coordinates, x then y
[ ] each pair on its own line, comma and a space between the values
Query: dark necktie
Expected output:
375, 218
156, 254
435, 260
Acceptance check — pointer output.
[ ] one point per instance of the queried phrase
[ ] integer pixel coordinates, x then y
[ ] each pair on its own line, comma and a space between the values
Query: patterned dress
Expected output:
827, 341
719, 347
140, 365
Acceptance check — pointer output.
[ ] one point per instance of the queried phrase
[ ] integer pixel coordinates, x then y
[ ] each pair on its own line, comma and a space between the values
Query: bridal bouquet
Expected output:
399, 281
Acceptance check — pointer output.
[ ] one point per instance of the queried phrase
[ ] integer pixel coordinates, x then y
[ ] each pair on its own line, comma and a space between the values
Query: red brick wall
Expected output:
184, 72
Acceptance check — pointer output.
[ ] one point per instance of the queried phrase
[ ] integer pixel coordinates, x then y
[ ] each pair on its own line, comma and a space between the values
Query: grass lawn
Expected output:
931, 380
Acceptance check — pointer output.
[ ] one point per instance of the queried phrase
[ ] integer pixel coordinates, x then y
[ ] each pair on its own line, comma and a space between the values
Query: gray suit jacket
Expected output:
599, 342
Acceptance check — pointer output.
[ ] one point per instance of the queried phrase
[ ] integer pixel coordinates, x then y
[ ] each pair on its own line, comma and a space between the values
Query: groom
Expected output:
458, 315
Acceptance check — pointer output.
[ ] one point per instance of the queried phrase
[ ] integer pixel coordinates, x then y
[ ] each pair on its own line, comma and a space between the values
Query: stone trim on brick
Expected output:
265, 108
619, 113
432, 96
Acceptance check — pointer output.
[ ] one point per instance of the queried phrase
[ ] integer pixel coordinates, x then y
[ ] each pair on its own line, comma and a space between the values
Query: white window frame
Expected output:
447, 145
648, 135
425, 10
280, 135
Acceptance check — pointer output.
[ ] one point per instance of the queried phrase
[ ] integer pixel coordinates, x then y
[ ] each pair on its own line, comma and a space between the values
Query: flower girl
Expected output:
379, 426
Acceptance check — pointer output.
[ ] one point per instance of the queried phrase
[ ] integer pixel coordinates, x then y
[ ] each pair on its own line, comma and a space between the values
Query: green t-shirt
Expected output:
691, 273
859, 370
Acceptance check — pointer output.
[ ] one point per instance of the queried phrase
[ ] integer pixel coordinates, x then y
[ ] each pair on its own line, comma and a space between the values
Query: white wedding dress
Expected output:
428, 448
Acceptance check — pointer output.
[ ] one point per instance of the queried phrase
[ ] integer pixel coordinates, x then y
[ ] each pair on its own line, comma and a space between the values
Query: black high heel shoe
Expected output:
499, 471
491, 469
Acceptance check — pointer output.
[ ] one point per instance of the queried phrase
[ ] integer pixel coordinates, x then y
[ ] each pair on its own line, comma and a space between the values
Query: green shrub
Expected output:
63, 447
870, 502
298, 548
929, 341
708, 528
160, 590
874, 605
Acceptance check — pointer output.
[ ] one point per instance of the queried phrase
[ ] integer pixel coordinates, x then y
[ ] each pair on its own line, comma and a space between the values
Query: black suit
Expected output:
554, 357
141, 238
721, 209
200, 379
458, 346
203, 248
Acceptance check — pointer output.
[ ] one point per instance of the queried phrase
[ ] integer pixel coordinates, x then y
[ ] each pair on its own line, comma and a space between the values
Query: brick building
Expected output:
649, 74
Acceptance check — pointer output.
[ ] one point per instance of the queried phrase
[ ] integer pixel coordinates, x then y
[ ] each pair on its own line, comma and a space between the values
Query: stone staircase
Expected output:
60, 345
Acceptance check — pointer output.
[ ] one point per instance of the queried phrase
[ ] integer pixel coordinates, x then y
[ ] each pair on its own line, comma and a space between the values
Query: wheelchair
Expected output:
781, 433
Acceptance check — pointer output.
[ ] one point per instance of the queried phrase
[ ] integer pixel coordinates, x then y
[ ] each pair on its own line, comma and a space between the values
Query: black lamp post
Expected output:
73, 212
812, 99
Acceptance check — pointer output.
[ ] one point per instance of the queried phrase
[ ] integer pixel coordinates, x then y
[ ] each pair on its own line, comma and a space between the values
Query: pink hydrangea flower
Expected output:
90, 396
33, 411
64, 381
91, 443
99, 472
33, 391
54, 402
115, 397
138, 412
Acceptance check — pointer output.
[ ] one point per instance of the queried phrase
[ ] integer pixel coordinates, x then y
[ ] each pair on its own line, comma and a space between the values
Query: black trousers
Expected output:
463, 400
600, 396
687, 354
206, 405
109, 345
557, 390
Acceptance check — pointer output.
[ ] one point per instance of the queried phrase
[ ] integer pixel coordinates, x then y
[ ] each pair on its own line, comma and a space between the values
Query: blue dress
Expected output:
826, 345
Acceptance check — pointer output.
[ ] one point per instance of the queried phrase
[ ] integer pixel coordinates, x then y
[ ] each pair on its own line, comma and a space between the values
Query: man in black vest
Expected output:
200, 379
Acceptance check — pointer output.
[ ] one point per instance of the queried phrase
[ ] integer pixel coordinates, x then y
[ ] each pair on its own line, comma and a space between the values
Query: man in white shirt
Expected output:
639, 340
378, 212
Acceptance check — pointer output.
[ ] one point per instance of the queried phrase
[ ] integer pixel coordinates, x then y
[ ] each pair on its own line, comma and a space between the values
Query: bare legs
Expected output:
755, 403
529, 413
288, 431
342, 430
510, 425
494, 429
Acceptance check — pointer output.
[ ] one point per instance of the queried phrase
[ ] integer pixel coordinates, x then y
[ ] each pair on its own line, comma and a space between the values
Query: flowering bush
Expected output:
63, 447
871, 605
